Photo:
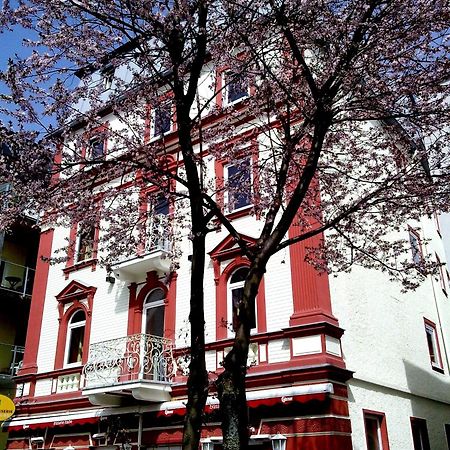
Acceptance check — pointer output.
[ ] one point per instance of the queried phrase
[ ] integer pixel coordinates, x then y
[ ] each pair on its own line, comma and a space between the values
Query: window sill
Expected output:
437, 369
92, 263
245, 211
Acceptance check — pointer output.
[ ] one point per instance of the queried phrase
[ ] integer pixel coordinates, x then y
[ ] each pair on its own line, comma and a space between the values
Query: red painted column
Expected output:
37, 304
170, 312
310, 288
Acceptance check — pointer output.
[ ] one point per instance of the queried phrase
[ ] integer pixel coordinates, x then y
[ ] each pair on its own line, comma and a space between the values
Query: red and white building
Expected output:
335, 363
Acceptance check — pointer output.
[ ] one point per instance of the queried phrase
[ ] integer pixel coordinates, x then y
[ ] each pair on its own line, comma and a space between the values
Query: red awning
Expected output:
266, 397
33, 424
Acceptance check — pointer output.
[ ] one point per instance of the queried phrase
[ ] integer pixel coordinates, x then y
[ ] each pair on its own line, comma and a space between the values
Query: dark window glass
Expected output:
373, 435
86, 237
239, 185
97, 148
237, 87
162, 119
420, 434
415, 248
237, 291
76, 337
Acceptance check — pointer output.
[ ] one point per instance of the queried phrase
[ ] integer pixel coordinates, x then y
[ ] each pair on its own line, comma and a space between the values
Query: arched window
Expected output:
153, 313
235, 293
75, 337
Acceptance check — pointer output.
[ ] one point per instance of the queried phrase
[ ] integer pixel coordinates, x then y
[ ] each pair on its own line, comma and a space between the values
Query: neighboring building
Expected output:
336, 362
18, 250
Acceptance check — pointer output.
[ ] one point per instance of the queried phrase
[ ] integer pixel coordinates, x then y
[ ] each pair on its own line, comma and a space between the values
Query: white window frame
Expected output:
227, 196
71, 326
154, 111
230, 288
226, 85
90, 147
77, 246
378, 420
431, 330
416, 247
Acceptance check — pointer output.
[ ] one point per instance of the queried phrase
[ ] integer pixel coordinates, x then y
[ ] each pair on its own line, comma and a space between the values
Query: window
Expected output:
416, 248
420, 434
162, 119
441, 275
158, 223
376, 431
239, 191
96, 148
447, 434
433, 345
85, 242
107, 77
75, 338
236, 87
153, 313
235, 294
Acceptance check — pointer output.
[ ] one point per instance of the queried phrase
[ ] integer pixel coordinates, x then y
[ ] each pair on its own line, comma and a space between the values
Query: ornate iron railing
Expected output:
159, 231
132, 358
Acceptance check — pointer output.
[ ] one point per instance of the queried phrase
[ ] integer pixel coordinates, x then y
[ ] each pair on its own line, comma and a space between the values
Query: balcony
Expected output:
154, 255
16, 278
140, 365
11, 357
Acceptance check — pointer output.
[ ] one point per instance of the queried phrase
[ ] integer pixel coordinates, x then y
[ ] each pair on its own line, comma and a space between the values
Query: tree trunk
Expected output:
197, 384
231, 382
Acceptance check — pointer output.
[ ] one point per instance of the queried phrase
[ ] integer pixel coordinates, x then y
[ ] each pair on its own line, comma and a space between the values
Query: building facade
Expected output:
18, 251
336, 362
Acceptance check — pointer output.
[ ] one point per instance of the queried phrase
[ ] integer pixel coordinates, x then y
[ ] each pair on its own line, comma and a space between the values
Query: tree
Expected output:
350, 97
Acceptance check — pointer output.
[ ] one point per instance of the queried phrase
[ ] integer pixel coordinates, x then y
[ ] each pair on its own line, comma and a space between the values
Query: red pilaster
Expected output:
37, 304
310, 288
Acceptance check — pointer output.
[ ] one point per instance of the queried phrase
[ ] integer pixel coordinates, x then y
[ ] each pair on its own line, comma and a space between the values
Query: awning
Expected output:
267, 397
51, 420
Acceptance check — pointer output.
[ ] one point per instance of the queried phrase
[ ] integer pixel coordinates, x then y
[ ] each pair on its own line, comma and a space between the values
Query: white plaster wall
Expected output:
43, 387
398, 407
279, 304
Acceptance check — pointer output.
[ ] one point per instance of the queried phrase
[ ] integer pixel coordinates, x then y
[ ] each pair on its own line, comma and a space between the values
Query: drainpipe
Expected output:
141, 420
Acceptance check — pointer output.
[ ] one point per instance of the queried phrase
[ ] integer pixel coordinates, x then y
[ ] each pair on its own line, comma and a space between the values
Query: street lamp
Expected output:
278, 442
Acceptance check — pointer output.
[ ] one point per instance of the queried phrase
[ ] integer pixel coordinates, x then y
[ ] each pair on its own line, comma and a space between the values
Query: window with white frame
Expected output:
158, 228
416, 248
75, 337
239, 185
433, 345
162, 119
85, 242
442, 277
236, 87
96, 148
235, 295
107, 77
376, 431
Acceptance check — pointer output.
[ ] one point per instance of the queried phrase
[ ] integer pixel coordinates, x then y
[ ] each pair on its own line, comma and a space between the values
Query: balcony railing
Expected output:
16, 278
139, 357
159, 233
154, 255
11, 357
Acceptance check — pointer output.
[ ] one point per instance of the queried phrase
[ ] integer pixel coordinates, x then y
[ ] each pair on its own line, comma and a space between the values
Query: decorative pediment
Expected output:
228, 247
75, 290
